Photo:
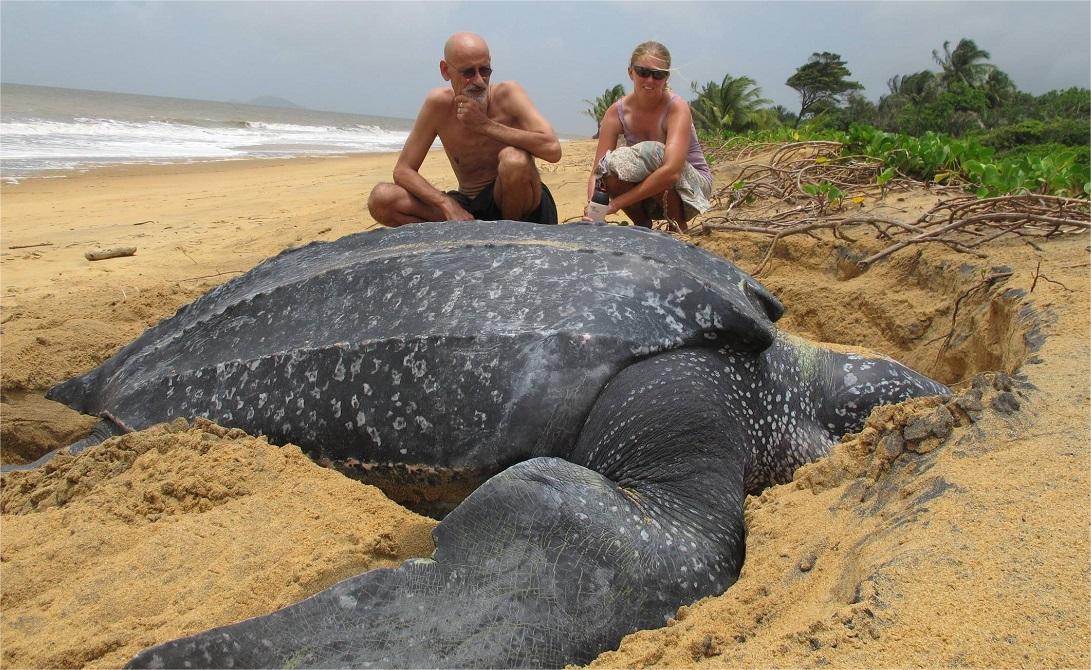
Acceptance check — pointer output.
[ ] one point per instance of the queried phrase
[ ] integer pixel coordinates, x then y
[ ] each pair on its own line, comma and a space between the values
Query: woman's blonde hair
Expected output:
654, 49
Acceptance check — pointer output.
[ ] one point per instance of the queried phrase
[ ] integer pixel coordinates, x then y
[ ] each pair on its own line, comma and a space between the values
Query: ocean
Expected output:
45, 129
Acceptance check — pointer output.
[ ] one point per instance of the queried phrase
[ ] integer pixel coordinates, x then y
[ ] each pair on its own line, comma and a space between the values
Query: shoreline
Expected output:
164, 191
183, 166
203, 164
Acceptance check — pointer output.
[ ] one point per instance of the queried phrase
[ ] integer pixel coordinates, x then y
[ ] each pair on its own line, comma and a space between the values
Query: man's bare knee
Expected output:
381, 201
514, 161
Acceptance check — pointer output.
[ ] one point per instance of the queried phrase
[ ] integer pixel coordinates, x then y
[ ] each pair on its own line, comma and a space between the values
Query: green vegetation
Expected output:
939, 158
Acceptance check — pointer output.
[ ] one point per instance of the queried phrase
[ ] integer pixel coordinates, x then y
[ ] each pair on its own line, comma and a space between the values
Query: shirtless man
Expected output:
491, 135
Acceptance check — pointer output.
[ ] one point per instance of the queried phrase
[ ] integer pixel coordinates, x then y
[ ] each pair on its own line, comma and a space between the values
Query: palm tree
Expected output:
999, 88
963, 64
731, 104
916, 88
599, 105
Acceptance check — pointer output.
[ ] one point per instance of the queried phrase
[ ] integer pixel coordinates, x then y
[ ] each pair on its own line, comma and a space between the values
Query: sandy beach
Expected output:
968, 546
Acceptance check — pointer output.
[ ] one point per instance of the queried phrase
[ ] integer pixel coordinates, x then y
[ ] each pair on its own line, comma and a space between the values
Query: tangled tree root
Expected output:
813, 180
965, 224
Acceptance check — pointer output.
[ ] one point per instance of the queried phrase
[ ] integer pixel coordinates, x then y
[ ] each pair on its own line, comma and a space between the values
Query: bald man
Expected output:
491, 134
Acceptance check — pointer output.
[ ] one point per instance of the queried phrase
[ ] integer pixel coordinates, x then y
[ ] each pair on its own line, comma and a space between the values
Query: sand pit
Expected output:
944, 534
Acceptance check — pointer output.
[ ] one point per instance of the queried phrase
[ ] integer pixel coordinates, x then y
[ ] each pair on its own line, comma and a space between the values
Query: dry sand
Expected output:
949, 534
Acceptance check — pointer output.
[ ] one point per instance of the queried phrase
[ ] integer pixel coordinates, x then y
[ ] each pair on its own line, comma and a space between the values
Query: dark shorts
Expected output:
485, 208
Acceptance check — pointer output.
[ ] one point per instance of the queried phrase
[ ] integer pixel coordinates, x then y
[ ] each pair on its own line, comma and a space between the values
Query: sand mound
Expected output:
174, 529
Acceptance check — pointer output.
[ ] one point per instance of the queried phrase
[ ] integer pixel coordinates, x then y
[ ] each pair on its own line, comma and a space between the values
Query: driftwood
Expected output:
112, 252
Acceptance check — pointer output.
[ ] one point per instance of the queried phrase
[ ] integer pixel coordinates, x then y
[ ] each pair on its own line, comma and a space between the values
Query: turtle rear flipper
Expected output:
548, 563
102, 431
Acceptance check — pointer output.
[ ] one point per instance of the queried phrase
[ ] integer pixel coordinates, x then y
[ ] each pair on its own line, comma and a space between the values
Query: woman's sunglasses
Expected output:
469, 72
645, 72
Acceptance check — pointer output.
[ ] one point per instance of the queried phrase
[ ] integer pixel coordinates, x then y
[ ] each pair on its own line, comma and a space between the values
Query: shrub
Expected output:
1067, 132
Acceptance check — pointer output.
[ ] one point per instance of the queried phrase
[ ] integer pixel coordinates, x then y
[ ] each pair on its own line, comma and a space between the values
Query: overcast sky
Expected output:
380, 58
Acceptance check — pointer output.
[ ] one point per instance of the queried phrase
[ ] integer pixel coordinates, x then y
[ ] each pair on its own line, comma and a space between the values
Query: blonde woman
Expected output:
662, 172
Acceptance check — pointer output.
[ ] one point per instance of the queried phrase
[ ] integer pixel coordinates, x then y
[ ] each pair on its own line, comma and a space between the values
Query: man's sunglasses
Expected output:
645, 72
468, 73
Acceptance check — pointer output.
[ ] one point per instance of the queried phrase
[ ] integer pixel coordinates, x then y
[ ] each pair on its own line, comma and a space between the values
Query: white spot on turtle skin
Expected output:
346, 601
850, 379
361, 419
371, 431
354, 368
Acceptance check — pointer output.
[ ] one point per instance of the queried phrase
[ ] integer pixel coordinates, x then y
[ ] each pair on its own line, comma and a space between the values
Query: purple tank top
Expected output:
695, 157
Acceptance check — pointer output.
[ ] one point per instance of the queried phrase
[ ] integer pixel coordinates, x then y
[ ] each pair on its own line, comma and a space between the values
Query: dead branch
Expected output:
218, 274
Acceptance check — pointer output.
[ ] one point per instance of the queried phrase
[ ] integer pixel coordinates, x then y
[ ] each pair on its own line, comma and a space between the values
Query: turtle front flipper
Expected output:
547, 563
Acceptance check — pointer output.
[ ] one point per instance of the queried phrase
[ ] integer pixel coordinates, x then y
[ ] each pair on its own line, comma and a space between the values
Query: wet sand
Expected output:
968, 548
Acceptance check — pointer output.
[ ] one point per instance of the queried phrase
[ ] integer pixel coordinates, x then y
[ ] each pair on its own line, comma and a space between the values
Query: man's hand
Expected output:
469, 112
454, 211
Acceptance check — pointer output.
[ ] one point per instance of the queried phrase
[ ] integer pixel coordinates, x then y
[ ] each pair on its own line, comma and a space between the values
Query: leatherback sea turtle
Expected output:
623, 390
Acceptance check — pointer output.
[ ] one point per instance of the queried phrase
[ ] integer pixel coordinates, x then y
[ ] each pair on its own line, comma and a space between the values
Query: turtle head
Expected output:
847, 383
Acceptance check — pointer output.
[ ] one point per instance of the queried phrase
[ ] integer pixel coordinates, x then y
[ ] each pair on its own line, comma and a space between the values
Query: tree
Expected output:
599, 105
963, 65
917, 88
1071, 103
785, 115
821, 81
906, 91
859, 109
1001, 93
956, 111
730, 105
